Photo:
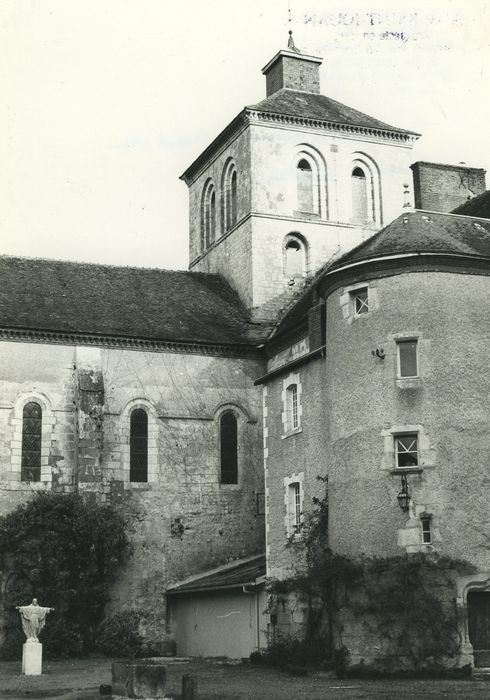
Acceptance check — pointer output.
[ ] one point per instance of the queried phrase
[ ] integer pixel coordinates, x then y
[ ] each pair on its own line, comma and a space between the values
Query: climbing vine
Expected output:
407, 602
65, 550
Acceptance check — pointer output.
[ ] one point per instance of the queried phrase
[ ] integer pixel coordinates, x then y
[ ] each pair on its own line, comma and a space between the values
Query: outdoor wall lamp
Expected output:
379, 353
403, 497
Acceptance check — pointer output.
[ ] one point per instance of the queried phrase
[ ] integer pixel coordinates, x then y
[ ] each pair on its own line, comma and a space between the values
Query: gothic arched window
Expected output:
32, 419
138, 446
228, 448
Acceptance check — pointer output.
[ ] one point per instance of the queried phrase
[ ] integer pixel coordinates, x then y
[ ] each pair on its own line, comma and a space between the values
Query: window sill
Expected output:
290, 433
140, 485
407, 470
306, 215
409, 382
230, 487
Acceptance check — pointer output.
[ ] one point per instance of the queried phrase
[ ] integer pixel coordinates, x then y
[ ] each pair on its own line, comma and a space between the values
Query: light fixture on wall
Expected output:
403, 497
379, 353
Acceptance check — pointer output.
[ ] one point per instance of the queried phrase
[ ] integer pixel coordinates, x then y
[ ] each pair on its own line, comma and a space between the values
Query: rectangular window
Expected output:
294, 407
407, 358
360, 301
294, 507
406, 451
427, 530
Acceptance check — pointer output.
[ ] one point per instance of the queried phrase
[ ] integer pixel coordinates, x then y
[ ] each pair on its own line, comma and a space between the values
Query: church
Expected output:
333, 322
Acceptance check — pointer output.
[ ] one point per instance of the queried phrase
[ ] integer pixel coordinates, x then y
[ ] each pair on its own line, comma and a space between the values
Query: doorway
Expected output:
479, 626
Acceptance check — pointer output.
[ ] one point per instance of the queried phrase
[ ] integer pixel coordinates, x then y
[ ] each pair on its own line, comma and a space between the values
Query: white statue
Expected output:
33, 618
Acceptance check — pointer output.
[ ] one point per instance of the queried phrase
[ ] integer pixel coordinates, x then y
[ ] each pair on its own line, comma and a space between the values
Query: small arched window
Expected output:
304, 178
359, 196
229, 449
32, 419
294, 257
208, 216
138, 446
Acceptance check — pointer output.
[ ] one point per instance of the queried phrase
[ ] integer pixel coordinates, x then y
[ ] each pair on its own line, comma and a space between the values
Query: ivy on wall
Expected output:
65, 550
408, 602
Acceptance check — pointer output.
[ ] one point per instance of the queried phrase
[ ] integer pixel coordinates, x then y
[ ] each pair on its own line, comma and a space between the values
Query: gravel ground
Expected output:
79, 679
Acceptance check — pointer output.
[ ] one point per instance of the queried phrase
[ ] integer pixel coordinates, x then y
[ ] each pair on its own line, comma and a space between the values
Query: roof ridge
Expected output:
84, 263
450, 213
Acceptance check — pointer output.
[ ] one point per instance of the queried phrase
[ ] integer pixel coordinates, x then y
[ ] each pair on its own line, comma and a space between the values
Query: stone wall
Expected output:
183, 520
441, 187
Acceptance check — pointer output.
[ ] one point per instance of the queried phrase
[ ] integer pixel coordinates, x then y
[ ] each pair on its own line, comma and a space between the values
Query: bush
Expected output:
119, 635
65, 551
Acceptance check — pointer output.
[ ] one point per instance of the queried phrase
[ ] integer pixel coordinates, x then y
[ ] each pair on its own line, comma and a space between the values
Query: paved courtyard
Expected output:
79, 679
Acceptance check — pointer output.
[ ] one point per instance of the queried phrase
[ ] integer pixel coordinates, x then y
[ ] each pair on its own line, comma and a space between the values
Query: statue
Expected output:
33, 618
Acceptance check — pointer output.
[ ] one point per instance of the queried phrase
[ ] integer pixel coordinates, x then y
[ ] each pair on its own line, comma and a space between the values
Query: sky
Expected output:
104, 103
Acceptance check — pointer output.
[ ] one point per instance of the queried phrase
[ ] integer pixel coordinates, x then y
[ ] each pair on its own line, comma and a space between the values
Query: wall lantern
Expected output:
403, 497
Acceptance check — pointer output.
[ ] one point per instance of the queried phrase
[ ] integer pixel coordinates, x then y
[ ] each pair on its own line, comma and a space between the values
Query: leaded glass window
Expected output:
138, 446
229, 448
32, 418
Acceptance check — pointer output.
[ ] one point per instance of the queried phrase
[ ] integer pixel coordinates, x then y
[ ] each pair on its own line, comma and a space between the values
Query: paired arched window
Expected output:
208, 215
294, 257
138, 446
229, 196
32, 420
310, 182
360, 211
228, 433
365, 191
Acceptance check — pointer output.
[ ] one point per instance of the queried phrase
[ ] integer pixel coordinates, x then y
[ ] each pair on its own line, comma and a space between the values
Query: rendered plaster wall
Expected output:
293, 456
448, 406
183, 520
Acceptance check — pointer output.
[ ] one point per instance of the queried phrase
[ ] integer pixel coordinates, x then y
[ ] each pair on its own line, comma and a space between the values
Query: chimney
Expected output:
294, 70
440, 187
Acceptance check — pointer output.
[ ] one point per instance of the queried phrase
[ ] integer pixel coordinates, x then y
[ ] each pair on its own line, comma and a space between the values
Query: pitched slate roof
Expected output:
243, 572
424, 232
478, 206
313, 106
83, 298
412, 232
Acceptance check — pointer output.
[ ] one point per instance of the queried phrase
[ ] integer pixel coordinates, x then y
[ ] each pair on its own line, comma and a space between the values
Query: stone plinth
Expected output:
32, 659
142, 678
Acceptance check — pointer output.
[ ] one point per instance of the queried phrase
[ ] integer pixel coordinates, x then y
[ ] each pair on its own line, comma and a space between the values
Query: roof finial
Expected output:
291, 45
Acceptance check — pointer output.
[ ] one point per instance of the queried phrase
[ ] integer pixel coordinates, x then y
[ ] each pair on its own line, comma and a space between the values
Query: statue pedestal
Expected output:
32, 659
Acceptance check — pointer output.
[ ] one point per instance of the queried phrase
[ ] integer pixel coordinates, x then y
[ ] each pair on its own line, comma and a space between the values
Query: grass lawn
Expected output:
80, 679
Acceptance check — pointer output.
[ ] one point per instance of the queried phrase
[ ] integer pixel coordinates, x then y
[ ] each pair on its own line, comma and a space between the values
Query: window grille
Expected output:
138, 446
31, 442
229, 449
361, 301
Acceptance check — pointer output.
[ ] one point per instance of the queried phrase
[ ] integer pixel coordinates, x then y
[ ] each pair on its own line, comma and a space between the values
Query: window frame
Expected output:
426, 520
355, 294
292, 407
399, 343
138, 410
236, 468
25, 469
293, 503
400, 436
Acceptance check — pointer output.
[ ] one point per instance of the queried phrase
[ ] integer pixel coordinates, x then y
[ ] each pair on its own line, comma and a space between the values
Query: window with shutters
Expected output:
31, 442
138, 446
228, 448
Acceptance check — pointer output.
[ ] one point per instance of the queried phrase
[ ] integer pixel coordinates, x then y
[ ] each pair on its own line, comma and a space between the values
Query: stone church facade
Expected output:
325, 328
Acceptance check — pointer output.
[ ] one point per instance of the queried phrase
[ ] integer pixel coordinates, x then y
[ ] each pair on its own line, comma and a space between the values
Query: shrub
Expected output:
119, 635
64, 550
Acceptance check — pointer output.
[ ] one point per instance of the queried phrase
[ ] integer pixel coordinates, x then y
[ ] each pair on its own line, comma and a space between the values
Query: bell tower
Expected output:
292, 182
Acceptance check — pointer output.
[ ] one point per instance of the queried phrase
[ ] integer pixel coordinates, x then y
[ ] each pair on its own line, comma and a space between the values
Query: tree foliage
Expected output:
65, 550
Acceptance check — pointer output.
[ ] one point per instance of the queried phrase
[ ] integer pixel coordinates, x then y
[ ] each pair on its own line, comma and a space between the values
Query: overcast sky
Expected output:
104, 103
